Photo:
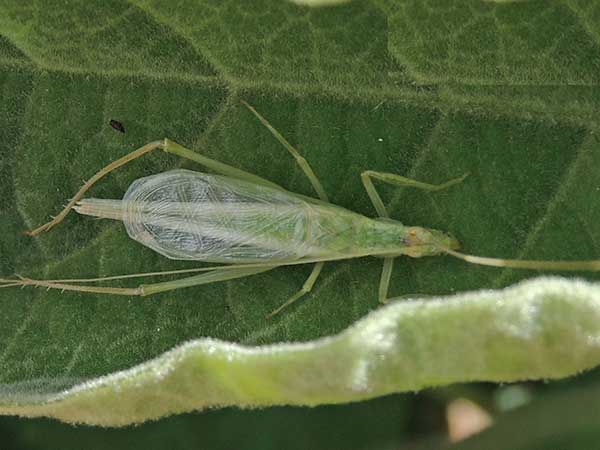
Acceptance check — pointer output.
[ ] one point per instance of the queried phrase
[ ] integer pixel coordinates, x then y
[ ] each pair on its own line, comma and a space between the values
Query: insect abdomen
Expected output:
183, 214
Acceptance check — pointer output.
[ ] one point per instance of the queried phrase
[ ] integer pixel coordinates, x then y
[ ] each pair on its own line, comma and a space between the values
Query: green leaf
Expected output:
406, 346
425, 89
319, 2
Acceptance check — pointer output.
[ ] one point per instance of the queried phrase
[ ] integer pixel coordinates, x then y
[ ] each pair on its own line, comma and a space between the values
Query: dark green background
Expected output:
427, 89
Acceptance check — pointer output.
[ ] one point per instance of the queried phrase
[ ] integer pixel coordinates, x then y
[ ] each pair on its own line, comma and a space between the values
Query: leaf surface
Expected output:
407, 346
419, 88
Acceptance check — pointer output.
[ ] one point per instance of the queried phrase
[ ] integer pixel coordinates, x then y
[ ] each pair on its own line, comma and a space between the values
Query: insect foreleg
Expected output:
306, 288
384, 281
302, 162
398, 180
388, 263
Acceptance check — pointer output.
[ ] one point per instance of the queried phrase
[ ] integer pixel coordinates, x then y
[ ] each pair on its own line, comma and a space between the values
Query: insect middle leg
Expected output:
317, 186
397, 180
302, 162
306, 288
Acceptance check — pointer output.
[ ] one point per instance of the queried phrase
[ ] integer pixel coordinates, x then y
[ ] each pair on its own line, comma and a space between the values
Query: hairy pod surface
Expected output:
542, 329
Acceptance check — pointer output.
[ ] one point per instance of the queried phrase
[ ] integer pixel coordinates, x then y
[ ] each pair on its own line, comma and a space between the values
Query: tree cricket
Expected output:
251, 225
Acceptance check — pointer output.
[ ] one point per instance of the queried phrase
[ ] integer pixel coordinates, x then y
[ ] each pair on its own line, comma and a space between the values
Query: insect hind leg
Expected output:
224, 273
93, 180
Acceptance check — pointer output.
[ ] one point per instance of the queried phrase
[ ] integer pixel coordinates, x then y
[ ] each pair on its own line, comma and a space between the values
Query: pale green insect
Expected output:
254, 225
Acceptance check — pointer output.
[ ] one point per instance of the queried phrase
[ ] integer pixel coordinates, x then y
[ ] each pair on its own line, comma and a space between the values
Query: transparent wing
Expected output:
183, 214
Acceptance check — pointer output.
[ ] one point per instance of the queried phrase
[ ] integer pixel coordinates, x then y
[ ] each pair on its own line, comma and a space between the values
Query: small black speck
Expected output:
117, 125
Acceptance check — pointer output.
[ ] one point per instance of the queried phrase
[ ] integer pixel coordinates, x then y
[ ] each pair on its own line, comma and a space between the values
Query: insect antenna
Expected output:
533, 264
